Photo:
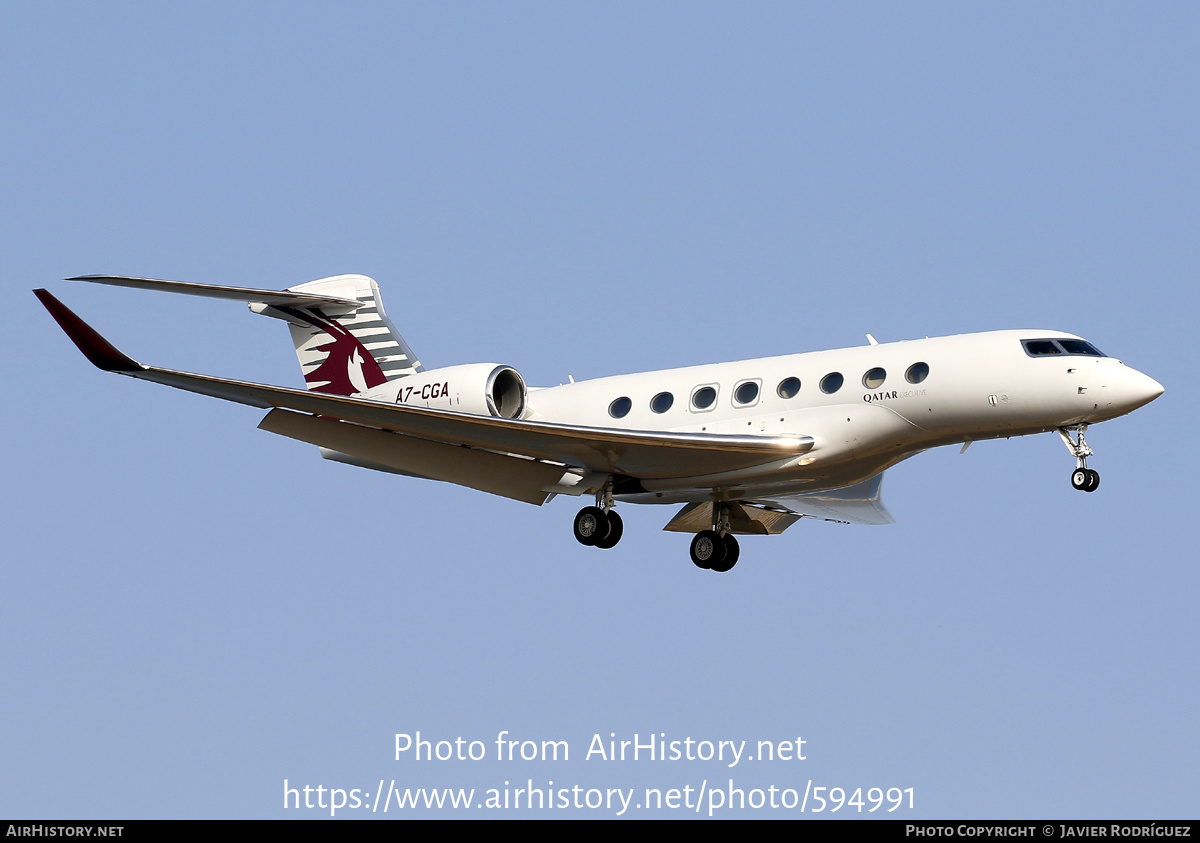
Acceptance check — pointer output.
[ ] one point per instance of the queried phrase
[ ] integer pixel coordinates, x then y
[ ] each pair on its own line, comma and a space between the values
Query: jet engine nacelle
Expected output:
483, 389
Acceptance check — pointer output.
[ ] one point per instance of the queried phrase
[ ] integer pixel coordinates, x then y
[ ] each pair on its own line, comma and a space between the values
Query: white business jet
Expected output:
748, 448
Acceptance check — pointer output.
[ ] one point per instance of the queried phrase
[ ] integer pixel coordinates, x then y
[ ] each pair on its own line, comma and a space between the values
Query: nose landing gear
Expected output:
1083, 478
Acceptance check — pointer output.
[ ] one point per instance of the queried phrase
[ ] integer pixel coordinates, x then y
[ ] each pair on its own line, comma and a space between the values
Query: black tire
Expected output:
708, 549
591, 525
616, 528
1080, 478
732, 552
1093, 480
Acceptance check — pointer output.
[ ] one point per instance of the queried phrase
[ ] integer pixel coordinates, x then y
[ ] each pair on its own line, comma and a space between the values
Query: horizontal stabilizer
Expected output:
275, 298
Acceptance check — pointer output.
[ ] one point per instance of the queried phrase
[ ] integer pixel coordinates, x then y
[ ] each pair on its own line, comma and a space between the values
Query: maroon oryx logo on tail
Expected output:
348, 367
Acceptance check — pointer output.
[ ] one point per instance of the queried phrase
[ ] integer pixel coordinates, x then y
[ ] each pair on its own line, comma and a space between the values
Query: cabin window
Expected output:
620, 408
917, 372
788, 387
745, 394
662, 402
832, 382
874, 378
704, 398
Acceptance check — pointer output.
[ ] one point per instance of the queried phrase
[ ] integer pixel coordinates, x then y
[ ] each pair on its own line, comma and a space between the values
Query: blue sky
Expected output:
193, 611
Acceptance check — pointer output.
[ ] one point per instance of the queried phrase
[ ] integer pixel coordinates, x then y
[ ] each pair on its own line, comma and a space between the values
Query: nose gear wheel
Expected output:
1085, 479
1082, 478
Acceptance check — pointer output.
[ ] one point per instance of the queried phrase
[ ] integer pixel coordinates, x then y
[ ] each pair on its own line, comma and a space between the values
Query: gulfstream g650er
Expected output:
747, 447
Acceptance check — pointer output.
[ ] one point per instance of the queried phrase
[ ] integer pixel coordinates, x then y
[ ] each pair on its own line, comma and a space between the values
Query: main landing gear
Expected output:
1083, 478
716, 549
599, 525
712, 550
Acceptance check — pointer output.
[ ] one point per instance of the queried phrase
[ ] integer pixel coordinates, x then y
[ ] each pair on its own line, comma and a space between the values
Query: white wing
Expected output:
856, 504
639, 454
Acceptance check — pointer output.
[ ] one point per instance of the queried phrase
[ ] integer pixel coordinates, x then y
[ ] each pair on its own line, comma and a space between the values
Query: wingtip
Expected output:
102, 354
102, 278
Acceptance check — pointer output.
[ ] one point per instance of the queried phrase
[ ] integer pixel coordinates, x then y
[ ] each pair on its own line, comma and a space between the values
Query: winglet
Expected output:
95, 348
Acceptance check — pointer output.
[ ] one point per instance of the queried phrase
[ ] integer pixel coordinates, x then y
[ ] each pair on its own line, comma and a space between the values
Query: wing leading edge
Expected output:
638, 454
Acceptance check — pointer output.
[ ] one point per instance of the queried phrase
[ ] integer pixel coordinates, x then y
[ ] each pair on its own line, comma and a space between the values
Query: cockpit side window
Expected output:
1080, 347
1040, 348
1047, 347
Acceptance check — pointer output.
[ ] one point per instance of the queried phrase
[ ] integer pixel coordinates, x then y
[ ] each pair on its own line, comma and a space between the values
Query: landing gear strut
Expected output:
716, 549
1083, 478
599, 525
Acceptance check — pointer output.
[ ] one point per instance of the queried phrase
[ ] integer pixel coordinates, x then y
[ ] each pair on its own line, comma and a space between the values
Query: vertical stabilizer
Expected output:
345, 350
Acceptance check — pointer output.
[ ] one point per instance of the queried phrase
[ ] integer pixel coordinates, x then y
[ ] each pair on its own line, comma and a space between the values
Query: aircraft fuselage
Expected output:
891, 401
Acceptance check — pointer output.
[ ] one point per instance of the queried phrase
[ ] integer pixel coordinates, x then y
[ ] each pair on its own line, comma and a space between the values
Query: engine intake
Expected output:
483, 389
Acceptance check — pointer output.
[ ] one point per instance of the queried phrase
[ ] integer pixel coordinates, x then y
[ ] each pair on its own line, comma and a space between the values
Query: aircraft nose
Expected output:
1129, 389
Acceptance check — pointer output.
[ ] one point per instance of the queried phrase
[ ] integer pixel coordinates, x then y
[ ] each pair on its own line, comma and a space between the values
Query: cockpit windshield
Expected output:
1080, 347
1049, 347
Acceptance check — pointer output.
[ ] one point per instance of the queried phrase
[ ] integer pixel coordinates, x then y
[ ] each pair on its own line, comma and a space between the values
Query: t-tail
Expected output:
344, 340
345, 349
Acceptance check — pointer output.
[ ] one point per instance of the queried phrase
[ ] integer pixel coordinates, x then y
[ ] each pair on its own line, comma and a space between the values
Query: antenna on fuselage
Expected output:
872, 340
